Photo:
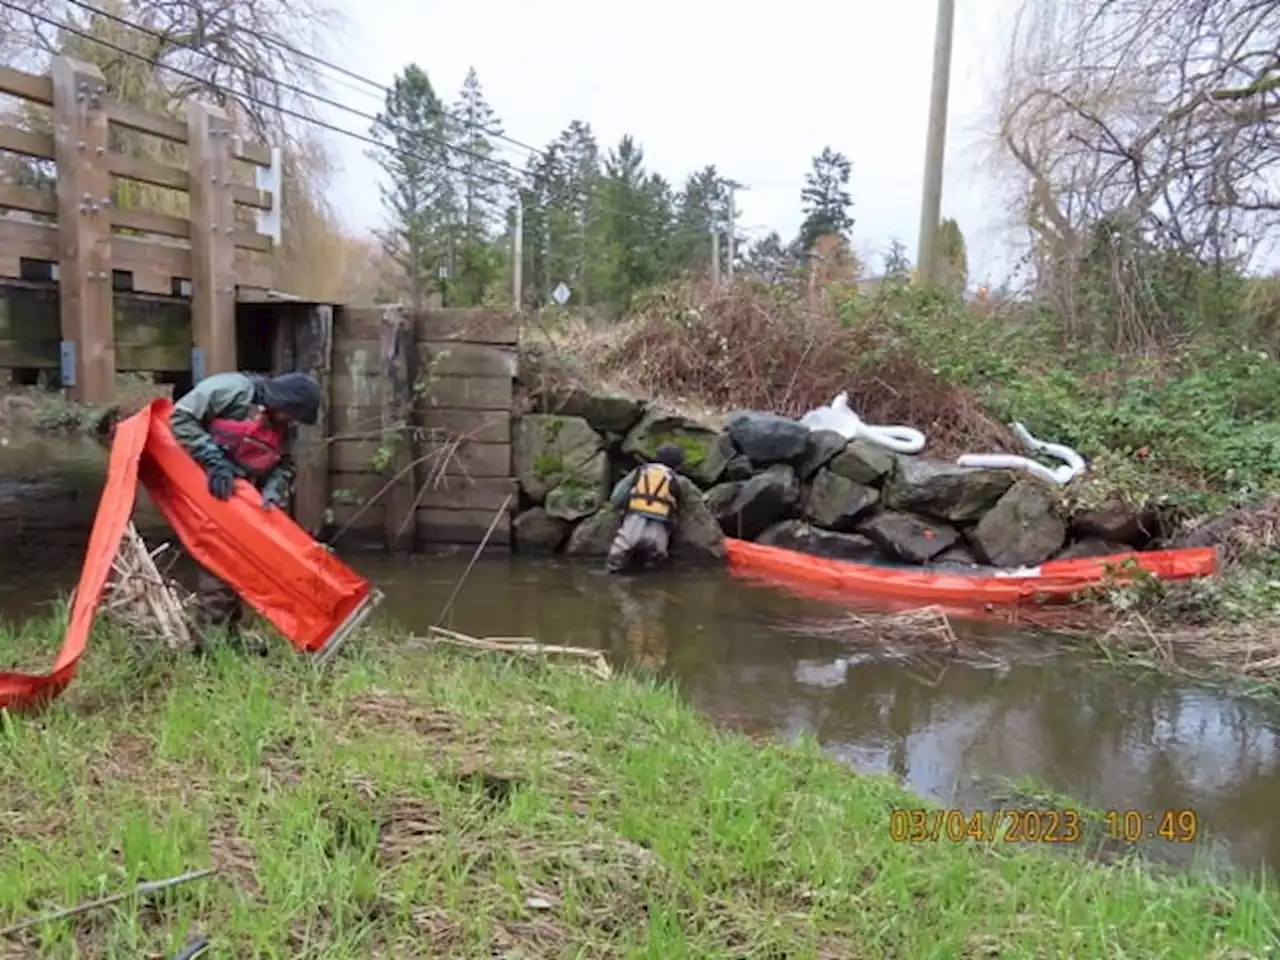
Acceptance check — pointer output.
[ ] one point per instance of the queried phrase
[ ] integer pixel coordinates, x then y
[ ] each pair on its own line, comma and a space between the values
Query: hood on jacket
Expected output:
295, 394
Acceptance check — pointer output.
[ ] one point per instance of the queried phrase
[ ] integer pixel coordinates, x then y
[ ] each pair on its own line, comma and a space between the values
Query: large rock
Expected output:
537, 532
822, 448
697, 537
907, 537
1024, 529
547, 450
605, 412
763, 500
739, 466
862, 462
594, 535
705, 452
719, 503
835, 502
1092, 547
806, 538
1118, 522
958, 557
938, 488
582, 493
767, 438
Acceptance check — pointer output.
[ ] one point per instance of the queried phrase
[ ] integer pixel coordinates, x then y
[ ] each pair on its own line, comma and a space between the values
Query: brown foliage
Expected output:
744, 346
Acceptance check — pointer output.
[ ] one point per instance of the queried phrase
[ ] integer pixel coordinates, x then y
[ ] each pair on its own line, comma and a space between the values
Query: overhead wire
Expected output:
307, 94
373, 85
248, 98
310, 94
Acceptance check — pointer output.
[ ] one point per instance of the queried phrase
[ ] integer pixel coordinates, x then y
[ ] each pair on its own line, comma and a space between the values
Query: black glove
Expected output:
222, 480
275, 492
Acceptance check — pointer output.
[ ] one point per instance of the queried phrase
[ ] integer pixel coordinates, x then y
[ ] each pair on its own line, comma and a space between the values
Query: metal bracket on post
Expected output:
270, 179
67, 363
197, 364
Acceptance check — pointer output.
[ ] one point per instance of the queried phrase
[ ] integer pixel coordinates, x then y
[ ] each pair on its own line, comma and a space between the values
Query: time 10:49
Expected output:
1176, 826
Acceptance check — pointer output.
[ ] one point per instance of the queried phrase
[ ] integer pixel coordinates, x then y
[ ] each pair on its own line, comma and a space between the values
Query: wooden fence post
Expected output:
84, 256
313, 346
396, 335
213, 259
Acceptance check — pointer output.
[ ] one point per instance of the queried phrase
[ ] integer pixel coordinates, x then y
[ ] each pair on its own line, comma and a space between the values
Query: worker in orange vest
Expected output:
650, 498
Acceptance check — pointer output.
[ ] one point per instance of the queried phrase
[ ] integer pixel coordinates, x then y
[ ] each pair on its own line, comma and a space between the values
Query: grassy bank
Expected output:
418, 803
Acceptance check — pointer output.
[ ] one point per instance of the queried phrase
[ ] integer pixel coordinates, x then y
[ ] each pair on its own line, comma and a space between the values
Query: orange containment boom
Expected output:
1052, 580
307, 593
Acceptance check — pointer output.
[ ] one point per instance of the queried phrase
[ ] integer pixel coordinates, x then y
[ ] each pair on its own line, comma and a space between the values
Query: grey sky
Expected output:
757, 91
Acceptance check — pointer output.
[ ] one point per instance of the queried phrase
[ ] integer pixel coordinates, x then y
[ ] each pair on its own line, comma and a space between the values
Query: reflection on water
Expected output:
767, 662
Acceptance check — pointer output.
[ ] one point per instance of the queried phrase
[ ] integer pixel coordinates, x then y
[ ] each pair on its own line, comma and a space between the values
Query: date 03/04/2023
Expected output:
920, 825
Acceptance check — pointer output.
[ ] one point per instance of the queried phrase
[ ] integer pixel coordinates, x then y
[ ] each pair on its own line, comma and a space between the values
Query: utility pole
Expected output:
517, 255
728, 263
732, 186
936, 147
715, 256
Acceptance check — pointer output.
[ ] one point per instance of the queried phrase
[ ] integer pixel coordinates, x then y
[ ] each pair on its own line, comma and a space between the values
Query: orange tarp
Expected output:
1054, 580
295, 583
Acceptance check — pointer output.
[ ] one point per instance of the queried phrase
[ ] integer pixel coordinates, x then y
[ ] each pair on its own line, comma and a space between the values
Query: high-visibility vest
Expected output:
651, 494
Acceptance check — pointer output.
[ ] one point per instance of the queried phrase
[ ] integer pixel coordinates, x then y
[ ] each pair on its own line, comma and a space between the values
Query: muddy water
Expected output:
768, 663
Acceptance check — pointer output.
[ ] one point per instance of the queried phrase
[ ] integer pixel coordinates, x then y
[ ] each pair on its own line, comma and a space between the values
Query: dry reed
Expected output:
742, 346
142, 599
594, 660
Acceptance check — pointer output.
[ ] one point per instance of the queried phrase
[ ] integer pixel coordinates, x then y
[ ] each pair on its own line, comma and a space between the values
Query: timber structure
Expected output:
93, 281
413, 446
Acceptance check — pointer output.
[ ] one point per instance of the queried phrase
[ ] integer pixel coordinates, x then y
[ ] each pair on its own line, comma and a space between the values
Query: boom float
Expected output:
303, 590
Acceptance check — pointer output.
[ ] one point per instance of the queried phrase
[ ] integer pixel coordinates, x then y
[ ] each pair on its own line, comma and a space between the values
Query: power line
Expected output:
374, 85
301, 92
286, 111
541, 153
294, 114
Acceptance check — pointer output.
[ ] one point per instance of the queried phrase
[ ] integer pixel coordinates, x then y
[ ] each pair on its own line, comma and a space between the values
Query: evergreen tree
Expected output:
703, 205
896, 262
769, 261
573, 176
476, 260
632, 226
539, 198
826, 200
418, 197
951, 260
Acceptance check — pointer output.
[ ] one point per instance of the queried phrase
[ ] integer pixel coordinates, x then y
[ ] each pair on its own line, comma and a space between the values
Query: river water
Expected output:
761, 660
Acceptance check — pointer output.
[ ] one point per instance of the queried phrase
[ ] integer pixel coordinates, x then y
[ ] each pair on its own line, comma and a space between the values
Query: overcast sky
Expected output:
755, 90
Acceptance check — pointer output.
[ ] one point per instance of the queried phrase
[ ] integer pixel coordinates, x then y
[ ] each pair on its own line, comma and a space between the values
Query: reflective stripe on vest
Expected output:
255, 443
651, 493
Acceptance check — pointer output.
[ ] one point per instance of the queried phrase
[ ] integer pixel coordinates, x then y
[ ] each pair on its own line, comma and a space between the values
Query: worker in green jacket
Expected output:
238, 425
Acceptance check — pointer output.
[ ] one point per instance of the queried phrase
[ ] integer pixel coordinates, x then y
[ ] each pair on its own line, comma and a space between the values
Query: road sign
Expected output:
561, 293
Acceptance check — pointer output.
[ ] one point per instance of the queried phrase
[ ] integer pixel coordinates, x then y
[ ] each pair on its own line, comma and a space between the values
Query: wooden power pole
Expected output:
517, 255
936, 146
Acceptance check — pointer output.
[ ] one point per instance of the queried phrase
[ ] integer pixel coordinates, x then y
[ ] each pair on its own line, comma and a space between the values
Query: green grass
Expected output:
418, 803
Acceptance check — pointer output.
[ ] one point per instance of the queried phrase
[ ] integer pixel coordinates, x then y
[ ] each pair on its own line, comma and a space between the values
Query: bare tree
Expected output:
245, 55
1156, 120
256, 58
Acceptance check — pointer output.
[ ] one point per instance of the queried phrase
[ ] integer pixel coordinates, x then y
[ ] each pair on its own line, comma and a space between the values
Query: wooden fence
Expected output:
419, 425
101, 247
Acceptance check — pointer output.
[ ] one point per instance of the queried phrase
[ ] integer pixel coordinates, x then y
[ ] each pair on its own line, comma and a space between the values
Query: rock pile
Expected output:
769, 479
